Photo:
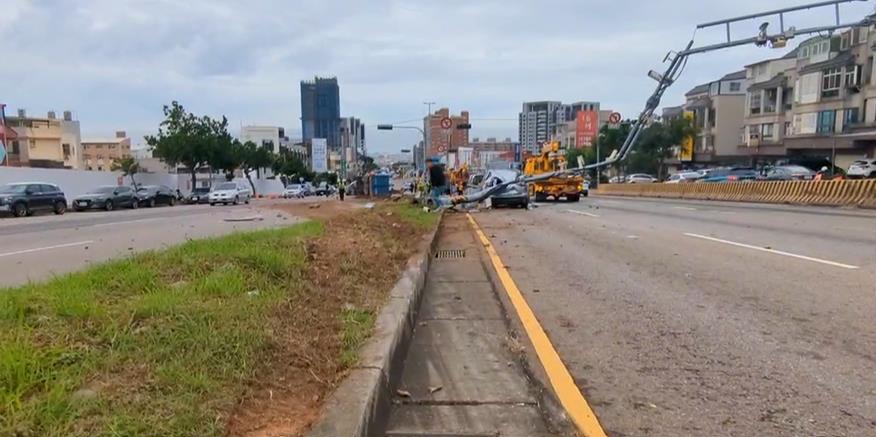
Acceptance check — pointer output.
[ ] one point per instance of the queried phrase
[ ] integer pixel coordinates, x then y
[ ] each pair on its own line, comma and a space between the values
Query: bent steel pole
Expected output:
672, 72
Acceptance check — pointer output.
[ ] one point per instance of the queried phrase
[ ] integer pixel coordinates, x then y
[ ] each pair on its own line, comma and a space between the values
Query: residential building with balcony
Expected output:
768, 107
717, 108
99, 154
834, 102
47, 142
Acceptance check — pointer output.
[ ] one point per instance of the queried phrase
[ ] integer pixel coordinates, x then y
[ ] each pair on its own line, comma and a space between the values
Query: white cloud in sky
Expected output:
116, 62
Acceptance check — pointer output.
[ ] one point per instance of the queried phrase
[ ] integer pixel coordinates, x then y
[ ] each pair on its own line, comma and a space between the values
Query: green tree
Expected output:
368, 164
228, 158
187, 140
291, 166
254, 158
657, 143
128, 166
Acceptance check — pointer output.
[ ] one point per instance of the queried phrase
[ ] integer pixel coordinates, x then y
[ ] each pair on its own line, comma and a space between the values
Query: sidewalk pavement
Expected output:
462, 374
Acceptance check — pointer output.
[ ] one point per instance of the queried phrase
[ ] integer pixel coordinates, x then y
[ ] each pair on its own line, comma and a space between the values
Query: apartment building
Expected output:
442, 140
769, 104
269, 137
833, 90
99, 154
352, 144
718, 112
47, 142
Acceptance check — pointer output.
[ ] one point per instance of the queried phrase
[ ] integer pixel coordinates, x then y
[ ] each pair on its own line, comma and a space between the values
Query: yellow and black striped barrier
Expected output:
859, 193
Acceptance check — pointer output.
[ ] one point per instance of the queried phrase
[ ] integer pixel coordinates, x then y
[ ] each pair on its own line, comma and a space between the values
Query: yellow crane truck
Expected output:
550, 160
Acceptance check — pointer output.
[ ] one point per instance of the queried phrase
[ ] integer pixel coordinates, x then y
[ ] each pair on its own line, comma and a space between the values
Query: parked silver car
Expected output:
641, 178
229, 192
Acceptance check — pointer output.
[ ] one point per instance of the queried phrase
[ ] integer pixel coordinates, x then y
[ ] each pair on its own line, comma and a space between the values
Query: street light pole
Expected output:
392, 127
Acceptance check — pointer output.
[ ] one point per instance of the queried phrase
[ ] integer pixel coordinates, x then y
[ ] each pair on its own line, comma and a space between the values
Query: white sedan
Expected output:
229, 192
683, 177
641, 178
294, 191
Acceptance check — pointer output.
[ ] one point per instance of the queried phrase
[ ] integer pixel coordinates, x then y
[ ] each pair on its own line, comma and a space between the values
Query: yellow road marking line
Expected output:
561, 380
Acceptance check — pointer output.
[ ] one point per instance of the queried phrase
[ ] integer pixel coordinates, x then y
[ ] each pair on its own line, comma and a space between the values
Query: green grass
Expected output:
160, 344
415, 215
357, 325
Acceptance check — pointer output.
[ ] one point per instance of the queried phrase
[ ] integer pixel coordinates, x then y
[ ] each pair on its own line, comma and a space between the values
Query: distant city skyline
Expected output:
245, 61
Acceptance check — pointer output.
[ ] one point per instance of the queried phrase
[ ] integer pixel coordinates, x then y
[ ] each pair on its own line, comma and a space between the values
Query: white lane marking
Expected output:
37, 249
126, 222
583, 213
686, 208
773, 251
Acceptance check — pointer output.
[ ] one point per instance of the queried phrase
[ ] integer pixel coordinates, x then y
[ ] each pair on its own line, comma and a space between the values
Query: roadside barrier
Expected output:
859, 193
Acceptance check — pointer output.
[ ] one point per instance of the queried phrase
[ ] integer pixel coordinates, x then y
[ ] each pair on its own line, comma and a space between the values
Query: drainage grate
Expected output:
450, 254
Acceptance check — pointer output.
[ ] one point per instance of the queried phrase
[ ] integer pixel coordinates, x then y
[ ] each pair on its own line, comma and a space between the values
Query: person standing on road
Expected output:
437, 181
342, 189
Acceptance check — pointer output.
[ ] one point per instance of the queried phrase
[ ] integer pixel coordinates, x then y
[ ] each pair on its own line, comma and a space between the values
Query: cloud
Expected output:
115, 63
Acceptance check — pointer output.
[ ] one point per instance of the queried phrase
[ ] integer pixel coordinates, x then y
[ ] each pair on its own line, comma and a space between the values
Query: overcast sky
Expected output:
116, 62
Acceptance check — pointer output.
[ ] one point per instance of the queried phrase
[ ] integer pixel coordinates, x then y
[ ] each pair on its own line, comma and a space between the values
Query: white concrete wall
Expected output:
78, 182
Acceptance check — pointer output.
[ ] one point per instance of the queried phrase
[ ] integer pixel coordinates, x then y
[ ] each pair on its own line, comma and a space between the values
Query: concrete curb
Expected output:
360, 405
558, 421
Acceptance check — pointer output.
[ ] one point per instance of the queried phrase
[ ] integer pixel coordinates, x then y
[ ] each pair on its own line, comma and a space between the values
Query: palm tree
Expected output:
128, 166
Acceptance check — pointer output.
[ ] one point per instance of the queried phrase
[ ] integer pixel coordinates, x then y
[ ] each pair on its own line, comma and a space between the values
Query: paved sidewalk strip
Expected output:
461, 377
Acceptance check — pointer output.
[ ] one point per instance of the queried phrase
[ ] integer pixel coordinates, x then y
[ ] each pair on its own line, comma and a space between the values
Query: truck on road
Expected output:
551, 159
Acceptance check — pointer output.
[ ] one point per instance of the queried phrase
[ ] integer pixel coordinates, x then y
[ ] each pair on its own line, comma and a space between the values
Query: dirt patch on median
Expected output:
351, 268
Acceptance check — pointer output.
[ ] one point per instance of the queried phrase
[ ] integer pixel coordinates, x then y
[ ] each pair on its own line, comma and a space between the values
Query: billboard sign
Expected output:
318, 155
586, 128
686, 149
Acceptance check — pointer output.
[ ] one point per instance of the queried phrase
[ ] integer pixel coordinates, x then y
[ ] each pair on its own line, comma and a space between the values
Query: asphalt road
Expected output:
680, 318
36, 248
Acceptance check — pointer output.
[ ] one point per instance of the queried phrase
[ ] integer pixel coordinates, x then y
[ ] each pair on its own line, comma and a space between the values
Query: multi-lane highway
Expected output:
34, 248
704, 318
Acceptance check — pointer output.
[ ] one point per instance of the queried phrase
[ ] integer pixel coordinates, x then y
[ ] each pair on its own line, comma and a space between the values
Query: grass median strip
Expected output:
189, 340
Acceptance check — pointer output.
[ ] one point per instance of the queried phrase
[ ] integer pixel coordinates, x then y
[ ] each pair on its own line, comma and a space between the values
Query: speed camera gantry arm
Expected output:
677, 61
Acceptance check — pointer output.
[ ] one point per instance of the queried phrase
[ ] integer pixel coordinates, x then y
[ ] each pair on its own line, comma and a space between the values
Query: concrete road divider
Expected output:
360, 405
858, 193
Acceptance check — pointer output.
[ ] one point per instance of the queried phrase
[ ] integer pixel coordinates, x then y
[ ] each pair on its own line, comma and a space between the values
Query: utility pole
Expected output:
677, 60
4, 152
427, 137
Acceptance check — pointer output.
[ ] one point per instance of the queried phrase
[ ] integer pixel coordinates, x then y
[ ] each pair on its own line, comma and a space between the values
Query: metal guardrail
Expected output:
859, 193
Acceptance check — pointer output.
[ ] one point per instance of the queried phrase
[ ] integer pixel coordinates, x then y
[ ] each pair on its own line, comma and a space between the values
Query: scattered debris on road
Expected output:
255, 218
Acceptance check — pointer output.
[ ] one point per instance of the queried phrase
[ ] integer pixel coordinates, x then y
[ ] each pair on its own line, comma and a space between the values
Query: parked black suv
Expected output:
153, 195
107, 197
22, 199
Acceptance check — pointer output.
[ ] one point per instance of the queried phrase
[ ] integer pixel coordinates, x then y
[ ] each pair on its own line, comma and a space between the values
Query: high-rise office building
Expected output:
321, 110
545, 121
